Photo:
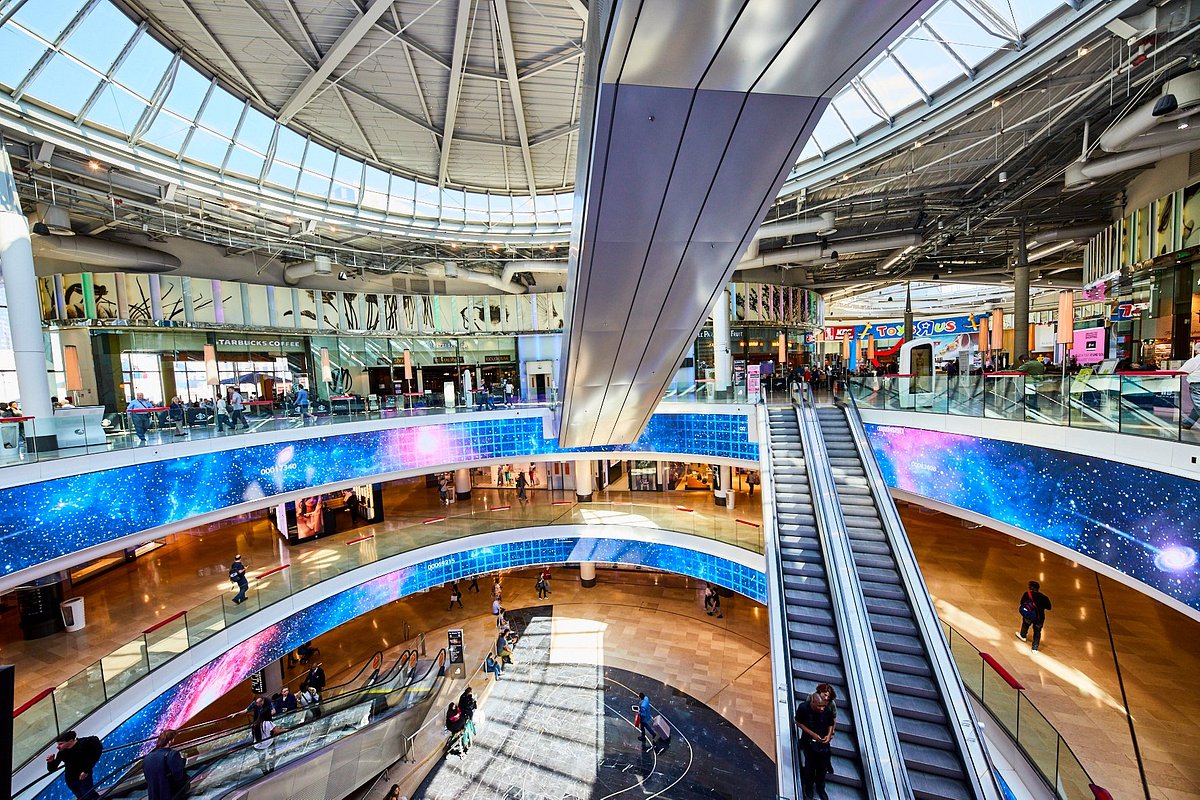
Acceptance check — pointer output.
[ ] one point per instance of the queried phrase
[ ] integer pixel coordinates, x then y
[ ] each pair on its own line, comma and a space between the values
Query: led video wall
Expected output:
1143, 523
63, 515
177, 705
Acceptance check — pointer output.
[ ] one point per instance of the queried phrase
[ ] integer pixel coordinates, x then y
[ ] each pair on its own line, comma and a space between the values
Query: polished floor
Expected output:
192, 567
976, 577
556, 727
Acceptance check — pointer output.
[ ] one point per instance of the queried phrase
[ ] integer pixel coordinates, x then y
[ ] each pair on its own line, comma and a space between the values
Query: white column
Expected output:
462, 483
584, 483
587, 574
727, 485
722, 355
24, 310
720, 488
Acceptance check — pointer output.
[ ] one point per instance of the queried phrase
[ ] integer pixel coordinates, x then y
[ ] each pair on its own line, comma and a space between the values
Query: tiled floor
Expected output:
193, 566
976, 577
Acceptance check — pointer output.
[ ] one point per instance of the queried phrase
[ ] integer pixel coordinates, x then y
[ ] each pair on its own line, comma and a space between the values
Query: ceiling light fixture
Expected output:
1183, 124
1003, 177
94, 165
1083, 51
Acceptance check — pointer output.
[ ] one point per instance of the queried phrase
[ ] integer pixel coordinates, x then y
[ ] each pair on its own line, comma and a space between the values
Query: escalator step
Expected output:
811, 650
905, 663
927, 735
936, 787
800, 597
810, 615
806, 583
932, 761
809, 632
884, 576
898, 643
894, 608
869, 554
884, 591
807, 673
914, 685
917, 708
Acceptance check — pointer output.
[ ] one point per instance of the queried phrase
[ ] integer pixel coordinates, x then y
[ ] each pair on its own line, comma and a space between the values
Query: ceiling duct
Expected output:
53, 219
1151, 132
320, 266
103, 253
811, 253
453, 271
514, 268
822, 225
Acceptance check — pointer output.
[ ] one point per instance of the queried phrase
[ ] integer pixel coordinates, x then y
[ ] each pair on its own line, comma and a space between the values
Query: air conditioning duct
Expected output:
1082, 174
321, 266
810, 253
103, 253
514, 268
453, 271
53, 219
821, 224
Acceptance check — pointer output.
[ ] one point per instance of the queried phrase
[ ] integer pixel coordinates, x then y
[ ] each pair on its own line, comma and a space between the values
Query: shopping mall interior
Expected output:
576, 399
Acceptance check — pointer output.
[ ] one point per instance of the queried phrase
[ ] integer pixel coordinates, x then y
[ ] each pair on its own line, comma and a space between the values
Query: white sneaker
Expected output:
1019, 636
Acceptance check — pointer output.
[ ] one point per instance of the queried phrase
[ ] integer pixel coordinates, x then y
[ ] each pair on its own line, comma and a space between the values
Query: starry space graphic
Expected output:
63, 515
174, 707
1144, 523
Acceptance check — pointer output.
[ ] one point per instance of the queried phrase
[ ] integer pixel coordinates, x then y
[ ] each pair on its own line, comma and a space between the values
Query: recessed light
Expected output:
94, 165
1083, 51
1183, 125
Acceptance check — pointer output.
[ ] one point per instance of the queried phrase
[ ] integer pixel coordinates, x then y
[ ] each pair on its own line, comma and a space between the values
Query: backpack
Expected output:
1029, 608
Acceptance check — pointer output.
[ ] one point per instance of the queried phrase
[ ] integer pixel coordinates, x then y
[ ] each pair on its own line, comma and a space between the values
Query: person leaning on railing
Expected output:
1192, 368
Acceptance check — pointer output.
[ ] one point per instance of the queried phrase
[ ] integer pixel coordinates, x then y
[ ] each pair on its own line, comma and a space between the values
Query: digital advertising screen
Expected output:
1138, 521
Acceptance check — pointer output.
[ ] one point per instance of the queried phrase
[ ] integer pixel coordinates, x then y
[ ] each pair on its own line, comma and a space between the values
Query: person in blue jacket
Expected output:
164, 769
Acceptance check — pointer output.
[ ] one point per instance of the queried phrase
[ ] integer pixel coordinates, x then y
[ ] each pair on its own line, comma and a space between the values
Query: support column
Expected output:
24, 312
908, 315
584, 481
720, 479
727, 485
587, 574
722, 357
462, 484
1021, 300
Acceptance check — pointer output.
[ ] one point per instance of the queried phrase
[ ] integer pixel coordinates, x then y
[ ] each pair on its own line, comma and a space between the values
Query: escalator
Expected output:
938, 743
814, 646
231, 764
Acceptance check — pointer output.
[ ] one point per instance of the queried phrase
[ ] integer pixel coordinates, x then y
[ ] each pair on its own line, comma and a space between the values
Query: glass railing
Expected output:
1155, 405
1005, 698
87, 430
38, 721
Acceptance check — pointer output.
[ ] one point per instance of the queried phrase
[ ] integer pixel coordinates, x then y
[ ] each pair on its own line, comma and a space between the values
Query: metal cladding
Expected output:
697, 112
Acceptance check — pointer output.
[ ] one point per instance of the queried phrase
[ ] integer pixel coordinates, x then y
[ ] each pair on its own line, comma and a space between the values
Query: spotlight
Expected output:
1166, 104
94, 165
1004, 177
1183, 125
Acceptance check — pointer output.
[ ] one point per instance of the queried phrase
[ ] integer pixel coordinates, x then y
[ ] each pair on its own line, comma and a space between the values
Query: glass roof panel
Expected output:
20, 51
64, 84
891, 87
188, 92
830, 132
222, 112
167, 132
143, 68
245, 162
318, 159
290, 146
117, 109
256, 130
926, 61
48, 19
207, 147
1022, 14
101, 36
810, 151
964, 35
855, 111
348, 170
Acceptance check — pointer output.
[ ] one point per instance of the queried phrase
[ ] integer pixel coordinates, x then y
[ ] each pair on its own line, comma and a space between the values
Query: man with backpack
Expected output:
1033, 608
237, 576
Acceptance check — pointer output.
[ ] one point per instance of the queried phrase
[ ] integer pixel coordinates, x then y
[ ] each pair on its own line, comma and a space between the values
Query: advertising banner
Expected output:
1088, 347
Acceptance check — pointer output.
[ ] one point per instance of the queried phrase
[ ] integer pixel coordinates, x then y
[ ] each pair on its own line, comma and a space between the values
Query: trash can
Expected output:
72, 613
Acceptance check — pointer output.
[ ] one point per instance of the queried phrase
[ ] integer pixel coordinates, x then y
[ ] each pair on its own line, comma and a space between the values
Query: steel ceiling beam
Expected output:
333, 58
514, 88
454, 89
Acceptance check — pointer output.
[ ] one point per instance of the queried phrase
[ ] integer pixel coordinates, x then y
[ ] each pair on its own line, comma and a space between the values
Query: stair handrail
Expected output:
965, 726
786, 755
885, 773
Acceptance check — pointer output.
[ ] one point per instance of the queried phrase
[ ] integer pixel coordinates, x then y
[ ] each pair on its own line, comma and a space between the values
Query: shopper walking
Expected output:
542, 589
139, 416
175, 413
237, 410
1033, 608
316, 678
164, 769
77, 756
222, 409
521, 484
237, 574
303, 404
444, 489
642, 720
816, 720
1192, 368
497, 590
455, 596
474, 585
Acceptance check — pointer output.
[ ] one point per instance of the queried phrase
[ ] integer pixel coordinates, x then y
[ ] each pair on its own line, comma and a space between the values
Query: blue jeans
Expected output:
241, 595
81, 788
140, 423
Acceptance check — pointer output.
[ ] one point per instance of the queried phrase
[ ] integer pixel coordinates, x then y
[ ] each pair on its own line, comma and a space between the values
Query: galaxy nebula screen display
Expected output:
174, 707
60, 516
1143, 523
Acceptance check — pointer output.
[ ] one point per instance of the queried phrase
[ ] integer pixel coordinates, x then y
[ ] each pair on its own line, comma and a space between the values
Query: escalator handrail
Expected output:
885, 773
963, 723
787, 757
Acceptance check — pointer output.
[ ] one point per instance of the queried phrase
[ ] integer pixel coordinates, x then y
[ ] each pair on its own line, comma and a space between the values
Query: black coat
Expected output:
165, 774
